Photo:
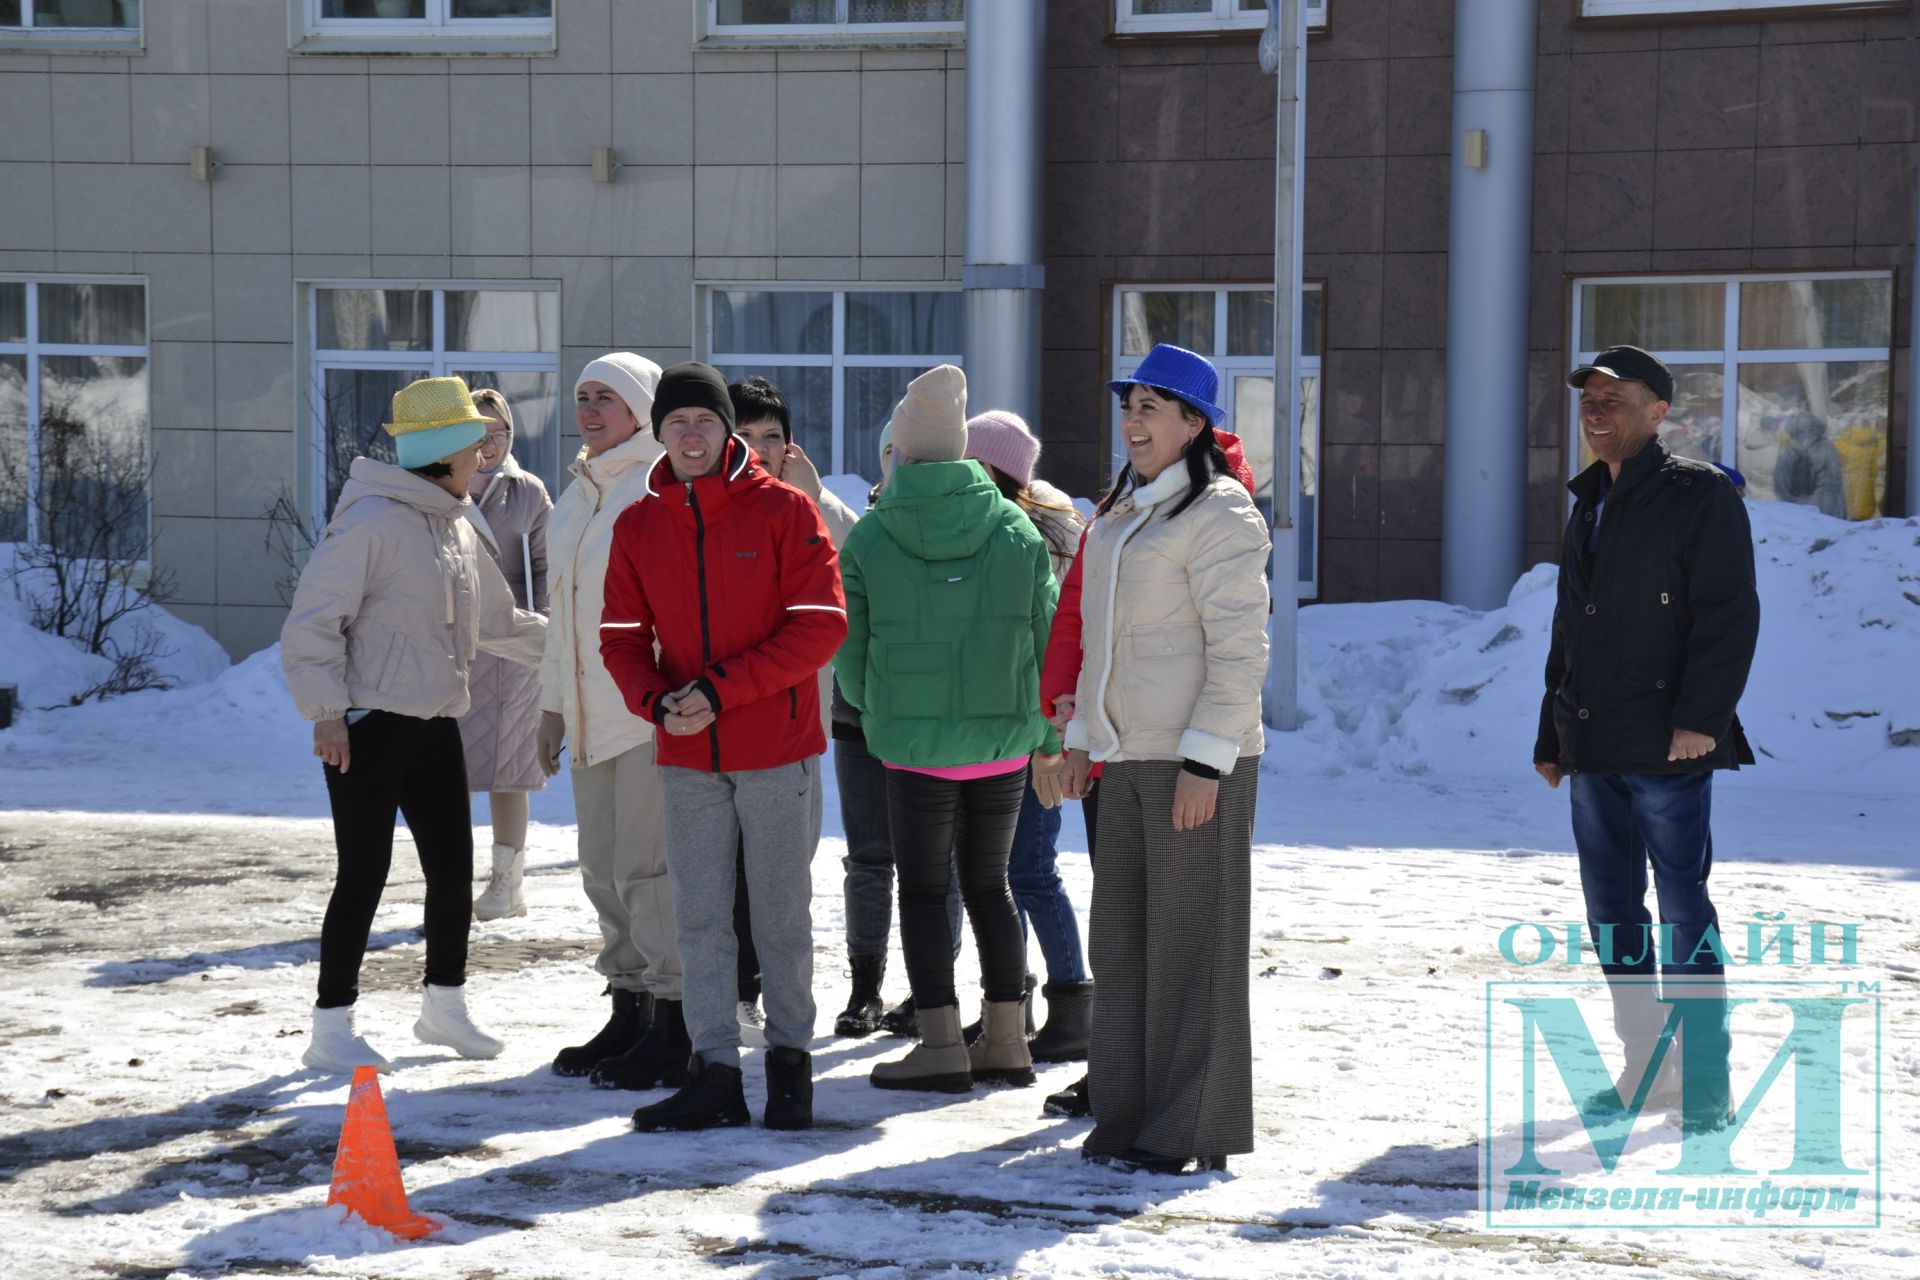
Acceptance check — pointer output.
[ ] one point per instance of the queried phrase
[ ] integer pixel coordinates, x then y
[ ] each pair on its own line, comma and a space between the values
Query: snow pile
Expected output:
49, 670
1417, 687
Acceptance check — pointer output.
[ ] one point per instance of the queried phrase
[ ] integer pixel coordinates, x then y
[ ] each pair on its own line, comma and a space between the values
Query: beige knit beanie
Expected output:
930, 422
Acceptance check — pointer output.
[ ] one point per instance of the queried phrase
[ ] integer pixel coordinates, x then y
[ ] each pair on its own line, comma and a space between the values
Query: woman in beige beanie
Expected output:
616, 783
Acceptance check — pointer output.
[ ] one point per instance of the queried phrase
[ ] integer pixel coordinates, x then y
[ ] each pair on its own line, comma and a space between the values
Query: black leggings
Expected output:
406, 765
936, 822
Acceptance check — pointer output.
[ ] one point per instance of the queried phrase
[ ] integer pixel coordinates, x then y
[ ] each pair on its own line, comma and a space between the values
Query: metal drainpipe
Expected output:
1913, 365
1489, 252
1003, 275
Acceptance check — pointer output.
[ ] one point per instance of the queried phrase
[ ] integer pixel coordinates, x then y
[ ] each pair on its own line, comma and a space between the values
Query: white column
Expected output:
1489, 259
1003, 275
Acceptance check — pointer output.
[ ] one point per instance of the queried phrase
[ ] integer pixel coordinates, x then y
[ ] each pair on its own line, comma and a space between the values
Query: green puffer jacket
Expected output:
949, 597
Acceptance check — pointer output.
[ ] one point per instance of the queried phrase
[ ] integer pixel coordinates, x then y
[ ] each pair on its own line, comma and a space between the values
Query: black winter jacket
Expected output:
1655, 631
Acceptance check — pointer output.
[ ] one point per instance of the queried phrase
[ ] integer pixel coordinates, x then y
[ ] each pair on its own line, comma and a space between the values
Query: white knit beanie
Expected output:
633, 378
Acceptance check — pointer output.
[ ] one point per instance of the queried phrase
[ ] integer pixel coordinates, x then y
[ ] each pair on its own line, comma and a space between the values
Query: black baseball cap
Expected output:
1629, 364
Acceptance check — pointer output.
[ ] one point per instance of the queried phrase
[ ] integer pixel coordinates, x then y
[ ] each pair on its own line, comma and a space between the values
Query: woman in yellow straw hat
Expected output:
394, 604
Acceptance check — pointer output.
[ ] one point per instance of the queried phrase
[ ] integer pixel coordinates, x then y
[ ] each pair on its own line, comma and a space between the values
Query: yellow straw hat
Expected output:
433, 418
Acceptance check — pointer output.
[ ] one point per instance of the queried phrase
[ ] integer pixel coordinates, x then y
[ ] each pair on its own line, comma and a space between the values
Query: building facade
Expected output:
229, 229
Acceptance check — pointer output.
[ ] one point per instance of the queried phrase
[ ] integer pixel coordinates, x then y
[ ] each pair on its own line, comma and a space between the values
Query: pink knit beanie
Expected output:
1003, 440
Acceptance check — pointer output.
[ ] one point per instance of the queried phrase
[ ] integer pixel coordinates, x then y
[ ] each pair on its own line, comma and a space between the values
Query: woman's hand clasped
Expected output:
1077, 778
1193, 801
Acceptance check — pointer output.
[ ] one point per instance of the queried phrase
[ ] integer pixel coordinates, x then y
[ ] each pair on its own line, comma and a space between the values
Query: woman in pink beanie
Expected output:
1003, 442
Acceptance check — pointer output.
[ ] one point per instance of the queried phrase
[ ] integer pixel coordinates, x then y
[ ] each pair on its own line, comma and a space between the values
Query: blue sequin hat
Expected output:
1180, 372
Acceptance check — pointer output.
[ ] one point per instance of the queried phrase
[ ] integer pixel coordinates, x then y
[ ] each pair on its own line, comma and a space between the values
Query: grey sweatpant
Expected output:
774, 815
623, 864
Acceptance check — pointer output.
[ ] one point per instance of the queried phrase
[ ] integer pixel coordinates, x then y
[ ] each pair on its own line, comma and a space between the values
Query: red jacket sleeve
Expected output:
816, 610
626, 622
1060, 671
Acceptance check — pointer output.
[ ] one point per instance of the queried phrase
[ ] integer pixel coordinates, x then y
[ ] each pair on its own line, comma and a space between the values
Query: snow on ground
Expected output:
154, 1119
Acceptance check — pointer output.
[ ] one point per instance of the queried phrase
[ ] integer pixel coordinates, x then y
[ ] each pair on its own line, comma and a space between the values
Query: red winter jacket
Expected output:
1060, 670
736, 580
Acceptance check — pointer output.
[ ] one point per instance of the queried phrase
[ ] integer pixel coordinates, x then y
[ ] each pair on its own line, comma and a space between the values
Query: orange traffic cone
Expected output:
366, 1172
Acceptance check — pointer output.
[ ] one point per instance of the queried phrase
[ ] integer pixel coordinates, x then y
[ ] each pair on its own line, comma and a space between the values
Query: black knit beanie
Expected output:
692, 385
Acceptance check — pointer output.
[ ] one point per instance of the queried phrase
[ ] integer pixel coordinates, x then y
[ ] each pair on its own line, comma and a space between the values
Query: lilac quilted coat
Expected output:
500, 730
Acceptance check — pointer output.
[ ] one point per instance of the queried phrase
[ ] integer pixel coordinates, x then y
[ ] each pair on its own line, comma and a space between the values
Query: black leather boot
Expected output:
632, 1015
659, 1060
711, 1099
901, 1020
789, 1089
864, 1009
1069, 1019
1070, 1102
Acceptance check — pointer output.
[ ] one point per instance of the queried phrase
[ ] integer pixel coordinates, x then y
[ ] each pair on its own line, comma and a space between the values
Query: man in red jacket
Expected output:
732, 576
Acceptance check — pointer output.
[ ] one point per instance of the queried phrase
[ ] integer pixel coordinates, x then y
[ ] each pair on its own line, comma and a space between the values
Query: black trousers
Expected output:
398, 765
937, 823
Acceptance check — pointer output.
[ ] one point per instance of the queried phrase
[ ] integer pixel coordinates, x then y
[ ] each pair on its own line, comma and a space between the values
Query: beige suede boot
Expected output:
939, 1063
1001, 1053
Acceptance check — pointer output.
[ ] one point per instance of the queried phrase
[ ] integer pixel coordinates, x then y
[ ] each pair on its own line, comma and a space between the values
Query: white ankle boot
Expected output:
502, 896
335, 1046
444, 1020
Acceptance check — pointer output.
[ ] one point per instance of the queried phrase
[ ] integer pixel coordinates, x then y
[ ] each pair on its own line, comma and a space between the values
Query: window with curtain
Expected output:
69, 15
1232, 326
1148, 17
842, 358
74, 413
1785, 378
842, 19
371, 340
378, 26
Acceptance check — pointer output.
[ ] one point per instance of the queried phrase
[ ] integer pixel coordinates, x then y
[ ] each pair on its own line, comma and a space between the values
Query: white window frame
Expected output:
1731, 359
837, 358
437, 361
1230, 367
129, 40
437, 32
715, 33
1226, 16
33, 349
1737, 8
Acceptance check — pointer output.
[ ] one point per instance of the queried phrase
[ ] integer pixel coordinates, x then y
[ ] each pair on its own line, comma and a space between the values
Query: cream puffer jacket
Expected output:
395, 602
1174, 627
573, 679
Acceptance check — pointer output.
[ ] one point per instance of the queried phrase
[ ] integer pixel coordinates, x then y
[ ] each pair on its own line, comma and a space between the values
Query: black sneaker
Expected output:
711, 1099
1135, 1160
789, 1089
632, 1015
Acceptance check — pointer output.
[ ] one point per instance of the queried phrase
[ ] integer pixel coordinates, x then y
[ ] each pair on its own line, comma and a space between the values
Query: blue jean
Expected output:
862, 782
1621, 824
1034, 875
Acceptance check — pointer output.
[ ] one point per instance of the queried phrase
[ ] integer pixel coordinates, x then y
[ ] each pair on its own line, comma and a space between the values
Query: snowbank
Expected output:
1417, 687
49, 670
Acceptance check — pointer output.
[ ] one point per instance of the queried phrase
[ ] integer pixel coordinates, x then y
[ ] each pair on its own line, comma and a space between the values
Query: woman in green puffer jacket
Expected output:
950, 594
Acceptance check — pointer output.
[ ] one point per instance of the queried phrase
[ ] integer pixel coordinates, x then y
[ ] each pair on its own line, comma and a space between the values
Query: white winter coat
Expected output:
395, 602
573, 679
1174, 627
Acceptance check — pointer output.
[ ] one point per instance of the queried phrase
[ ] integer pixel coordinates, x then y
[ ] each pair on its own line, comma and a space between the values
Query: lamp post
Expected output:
1283, 55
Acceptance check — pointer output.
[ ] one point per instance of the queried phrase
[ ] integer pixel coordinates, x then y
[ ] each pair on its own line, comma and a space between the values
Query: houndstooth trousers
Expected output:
1170, 1065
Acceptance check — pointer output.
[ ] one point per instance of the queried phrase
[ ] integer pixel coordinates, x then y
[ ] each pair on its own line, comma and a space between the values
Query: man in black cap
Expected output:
1653, 635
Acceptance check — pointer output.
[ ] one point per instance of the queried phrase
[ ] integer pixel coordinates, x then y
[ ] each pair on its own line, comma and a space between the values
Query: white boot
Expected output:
335, 1047
502, 896
444, 1020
